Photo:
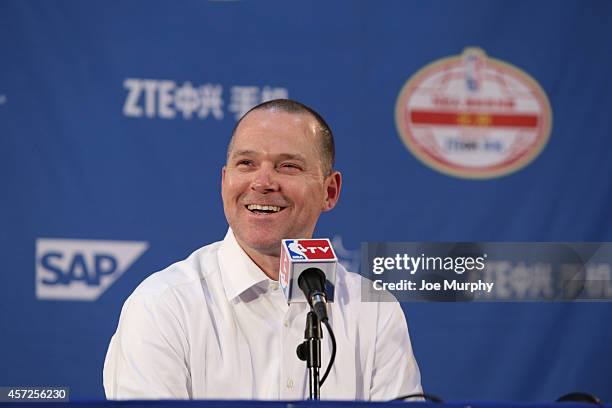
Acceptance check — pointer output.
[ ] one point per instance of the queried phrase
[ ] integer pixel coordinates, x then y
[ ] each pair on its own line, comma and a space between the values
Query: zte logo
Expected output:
166, 99
162, 98
71, 269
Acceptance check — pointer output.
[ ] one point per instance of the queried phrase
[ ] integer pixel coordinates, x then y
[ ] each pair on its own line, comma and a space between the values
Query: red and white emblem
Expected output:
472, 116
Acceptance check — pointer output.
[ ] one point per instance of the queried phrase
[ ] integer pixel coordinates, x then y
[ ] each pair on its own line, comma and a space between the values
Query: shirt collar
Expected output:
238, 271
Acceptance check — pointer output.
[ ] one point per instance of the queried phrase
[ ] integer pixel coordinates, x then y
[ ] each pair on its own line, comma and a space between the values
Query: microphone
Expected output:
307, 273
316, 261
312, 283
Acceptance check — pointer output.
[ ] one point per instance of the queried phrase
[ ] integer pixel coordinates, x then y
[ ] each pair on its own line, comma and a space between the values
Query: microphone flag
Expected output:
298, 255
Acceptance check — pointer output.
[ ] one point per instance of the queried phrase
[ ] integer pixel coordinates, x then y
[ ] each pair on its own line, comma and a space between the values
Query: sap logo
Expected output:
74, 269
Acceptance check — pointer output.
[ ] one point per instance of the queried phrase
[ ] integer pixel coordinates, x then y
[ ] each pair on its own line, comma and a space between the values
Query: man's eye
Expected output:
291, 166
244, 162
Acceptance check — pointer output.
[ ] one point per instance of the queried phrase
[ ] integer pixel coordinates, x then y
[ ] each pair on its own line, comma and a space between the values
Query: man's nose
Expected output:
264, 180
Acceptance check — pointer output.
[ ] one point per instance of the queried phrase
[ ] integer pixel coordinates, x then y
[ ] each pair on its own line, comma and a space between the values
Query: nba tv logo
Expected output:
74, 269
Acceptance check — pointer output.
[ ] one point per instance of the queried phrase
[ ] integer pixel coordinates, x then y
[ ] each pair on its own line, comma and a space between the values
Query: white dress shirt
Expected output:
214, 326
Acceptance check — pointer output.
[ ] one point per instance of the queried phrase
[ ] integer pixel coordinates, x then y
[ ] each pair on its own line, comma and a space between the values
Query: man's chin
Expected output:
263, 245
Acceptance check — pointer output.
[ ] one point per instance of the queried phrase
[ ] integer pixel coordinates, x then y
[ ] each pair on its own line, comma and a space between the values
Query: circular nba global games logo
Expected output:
473, 116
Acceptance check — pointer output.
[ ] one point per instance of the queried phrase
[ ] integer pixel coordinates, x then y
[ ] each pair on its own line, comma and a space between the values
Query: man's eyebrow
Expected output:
291, 156
243, 153
281, 156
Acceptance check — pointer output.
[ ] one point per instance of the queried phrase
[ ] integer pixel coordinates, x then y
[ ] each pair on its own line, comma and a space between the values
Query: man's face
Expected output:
273, 185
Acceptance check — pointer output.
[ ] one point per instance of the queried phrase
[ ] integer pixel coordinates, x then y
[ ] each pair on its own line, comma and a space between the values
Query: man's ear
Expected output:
333, 185
222, 178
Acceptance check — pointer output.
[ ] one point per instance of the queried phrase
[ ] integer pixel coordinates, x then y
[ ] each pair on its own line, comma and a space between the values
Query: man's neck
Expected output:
269, 264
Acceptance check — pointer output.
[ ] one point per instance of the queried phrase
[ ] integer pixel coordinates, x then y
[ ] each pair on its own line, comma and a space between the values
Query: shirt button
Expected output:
286, 323
290, 383
274, 285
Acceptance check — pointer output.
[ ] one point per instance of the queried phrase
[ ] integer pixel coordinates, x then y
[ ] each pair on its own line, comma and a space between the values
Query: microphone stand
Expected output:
310, 351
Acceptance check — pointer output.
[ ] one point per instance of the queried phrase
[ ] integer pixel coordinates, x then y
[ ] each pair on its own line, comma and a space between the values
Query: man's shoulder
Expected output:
353, 288
198, 266
351, 280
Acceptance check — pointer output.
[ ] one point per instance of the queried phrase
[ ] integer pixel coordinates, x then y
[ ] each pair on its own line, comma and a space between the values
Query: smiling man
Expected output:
278, 179
217, 326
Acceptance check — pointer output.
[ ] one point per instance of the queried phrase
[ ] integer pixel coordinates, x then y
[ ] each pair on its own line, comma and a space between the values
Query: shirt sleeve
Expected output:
395, 370
147, 356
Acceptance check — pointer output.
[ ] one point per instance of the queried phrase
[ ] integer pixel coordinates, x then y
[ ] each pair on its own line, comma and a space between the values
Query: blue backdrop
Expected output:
115, 116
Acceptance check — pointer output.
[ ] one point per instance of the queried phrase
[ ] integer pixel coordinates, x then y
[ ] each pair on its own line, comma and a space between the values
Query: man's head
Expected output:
279, 175
326, 139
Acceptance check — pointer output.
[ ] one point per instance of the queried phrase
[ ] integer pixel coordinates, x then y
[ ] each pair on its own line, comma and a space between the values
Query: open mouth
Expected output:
264, 209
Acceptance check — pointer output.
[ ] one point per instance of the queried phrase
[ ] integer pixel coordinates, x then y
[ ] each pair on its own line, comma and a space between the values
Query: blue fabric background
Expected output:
72, 165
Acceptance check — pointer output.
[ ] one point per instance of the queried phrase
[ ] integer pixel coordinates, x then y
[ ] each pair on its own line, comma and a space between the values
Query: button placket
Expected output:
286, 353
299, 373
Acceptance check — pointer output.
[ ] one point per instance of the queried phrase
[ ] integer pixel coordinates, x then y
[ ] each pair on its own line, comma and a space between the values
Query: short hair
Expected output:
327, 146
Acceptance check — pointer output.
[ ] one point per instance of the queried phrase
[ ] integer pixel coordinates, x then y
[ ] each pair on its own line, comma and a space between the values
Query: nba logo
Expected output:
284, 270
295, 249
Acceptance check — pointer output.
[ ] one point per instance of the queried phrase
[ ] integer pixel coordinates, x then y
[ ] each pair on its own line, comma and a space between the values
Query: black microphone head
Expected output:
312, 283
311, 280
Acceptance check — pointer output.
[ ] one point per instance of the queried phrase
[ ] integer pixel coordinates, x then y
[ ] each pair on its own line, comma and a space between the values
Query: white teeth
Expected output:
273, 208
